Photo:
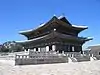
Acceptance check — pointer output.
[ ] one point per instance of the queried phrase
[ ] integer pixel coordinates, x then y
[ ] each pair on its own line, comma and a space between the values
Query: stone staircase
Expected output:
71, 59
82, 58
93, 58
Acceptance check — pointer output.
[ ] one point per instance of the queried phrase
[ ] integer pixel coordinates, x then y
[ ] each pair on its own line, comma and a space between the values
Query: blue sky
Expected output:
17, 15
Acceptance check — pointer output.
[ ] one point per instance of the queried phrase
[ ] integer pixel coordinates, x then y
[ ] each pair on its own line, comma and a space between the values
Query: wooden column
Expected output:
73, 48
53, 47
34, 49
47, 48
39, 49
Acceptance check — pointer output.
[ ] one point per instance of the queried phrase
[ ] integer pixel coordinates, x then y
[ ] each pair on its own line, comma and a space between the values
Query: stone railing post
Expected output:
92, 55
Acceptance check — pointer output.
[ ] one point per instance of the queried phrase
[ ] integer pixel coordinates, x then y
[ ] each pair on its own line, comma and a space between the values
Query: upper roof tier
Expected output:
59, 20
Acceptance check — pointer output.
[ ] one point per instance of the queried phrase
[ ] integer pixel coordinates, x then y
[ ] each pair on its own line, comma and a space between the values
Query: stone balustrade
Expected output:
45, 58
21, 56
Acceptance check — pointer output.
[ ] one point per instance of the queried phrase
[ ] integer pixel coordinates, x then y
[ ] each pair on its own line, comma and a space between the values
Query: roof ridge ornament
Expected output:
61, 16
54, 15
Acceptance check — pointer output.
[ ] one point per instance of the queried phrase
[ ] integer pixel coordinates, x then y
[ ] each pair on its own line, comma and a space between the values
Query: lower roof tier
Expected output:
55, 37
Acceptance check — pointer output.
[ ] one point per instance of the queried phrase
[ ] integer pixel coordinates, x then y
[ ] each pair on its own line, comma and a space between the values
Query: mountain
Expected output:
11, 46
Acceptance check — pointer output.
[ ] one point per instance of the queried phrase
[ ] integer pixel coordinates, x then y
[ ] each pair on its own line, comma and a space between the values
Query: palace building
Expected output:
58, 35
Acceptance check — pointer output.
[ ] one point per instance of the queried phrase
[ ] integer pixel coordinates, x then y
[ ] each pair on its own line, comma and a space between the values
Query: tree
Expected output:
12, 46
3, 49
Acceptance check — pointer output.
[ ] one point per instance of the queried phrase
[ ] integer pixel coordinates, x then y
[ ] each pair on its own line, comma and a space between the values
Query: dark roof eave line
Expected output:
51, 20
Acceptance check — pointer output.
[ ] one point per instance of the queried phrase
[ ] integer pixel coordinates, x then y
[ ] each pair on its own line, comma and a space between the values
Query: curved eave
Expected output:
82, 27
79, 28
27, 41
63, 18
26, 31
24, 34
88, 39
53, 19
44, 25
73, 27
31, 30
55, 35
